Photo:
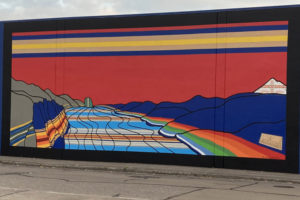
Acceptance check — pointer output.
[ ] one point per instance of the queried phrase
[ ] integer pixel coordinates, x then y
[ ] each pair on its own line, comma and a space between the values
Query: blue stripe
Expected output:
94, 125
142, 53
164, 132
149, 33
21, 137
129, 149
90, 113
20, 129
17, 139
30, 133
193, 145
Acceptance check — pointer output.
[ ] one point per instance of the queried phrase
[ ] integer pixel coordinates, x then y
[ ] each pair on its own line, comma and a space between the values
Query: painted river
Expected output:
101, 128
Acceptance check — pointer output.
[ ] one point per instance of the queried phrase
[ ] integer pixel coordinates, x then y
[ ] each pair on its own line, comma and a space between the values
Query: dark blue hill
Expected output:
238, 111
209, 113
174, 110
253, 132
128, 106
168, 112
246, 115
140, 107
194, 103
170, 109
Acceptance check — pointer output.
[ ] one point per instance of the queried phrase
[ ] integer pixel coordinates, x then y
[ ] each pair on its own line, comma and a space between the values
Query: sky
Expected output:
34, 9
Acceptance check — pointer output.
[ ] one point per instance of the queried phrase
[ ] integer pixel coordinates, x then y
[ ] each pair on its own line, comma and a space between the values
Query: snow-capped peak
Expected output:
272, 87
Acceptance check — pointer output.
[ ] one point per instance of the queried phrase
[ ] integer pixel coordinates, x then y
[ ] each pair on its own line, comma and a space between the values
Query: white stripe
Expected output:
112, 131
192, 146
153, 123
127, 143
167, 134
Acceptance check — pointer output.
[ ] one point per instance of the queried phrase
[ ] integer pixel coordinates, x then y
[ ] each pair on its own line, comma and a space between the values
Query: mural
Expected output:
216, 89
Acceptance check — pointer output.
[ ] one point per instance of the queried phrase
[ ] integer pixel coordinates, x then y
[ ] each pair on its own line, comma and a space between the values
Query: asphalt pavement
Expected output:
47, 179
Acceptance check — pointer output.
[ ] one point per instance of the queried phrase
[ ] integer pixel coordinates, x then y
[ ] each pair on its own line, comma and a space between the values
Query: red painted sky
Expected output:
176, 78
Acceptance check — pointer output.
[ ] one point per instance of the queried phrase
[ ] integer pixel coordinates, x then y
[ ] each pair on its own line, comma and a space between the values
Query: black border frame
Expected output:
292, 14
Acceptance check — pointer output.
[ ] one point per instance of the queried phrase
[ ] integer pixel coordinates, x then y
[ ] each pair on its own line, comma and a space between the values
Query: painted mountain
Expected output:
34, 110
272, 87
210, 125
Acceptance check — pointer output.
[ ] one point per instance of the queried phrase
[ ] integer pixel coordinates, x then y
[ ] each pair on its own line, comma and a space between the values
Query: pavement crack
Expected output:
12, 193
127, 180
29, 176
183, 193
109, 182
241, 186
279, 179
116, 195
238, 188
13, 173
272, 193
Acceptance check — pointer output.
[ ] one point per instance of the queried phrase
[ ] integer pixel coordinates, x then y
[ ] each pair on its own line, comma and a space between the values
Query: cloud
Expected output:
31, 9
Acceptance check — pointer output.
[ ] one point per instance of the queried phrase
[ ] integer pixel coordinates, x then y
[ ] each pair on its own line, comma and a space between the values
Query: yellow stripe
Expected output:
157, 37
26, 123
23, 140
43, 145
67, 106
18, 142
157, 48
153, 42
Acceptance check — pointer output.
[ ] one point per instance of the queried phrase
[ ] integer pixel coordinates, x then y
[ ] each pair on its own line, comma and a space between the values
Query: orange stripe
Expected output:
266, 151
56, 129
182, 126
234, 146
43, 144
159, 119
41, 137
237, 145
53, 129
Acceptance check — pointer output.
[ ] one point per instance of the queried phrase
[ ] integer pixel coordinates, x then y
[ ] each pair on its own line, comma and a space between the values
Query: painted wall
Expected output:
154, 89
210, 89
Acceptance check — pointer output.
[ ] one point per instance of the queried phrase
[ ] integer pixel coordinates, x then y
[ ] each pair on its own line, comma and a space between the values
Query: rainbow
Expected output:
209, 142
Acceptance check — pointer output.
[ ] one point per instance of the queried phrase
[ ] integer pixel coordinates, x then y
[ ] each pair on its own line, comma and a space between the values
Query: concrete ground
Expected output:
32, 179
